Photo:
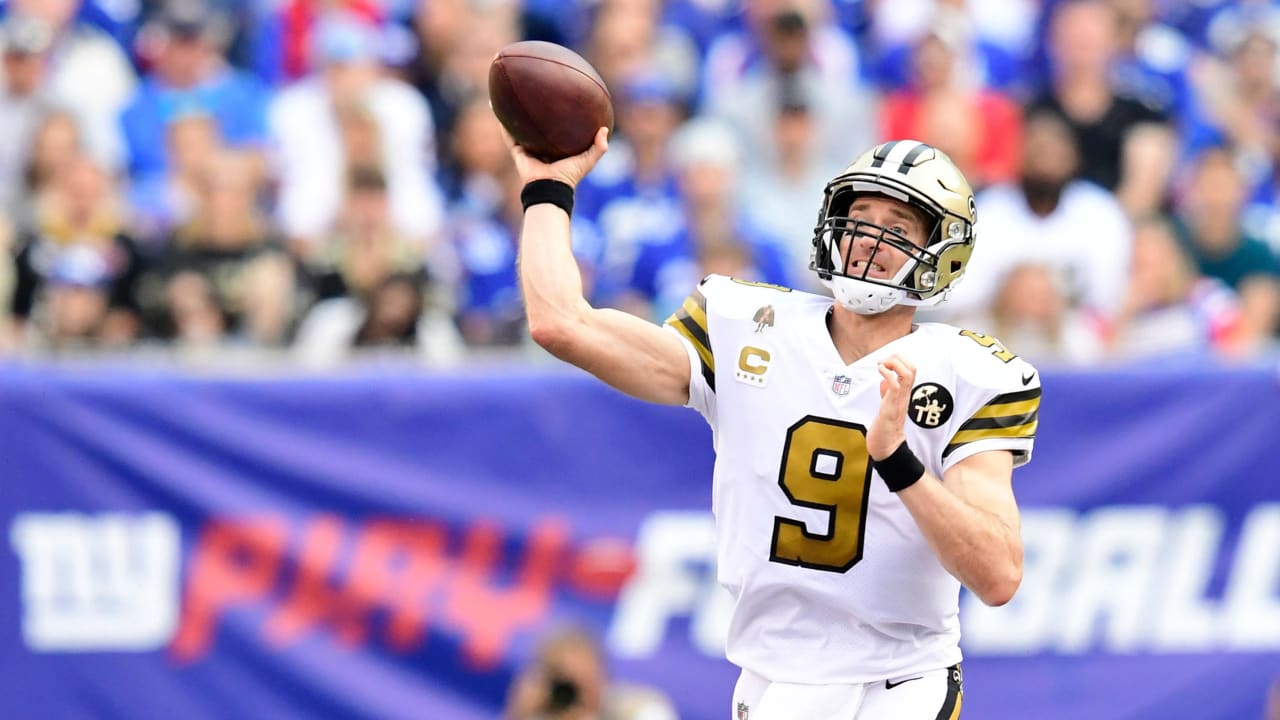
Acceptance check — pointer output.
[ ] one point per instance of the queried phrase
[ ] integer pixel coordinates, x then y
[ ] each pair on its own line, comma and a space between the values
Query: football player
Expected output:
863, 461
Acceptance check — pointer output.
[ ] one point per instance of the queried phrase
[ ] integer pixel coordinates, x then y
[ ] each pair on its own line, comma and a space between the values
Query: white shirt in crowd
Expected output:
307, 151
747, 94
327, 335
1087, 241
90, 76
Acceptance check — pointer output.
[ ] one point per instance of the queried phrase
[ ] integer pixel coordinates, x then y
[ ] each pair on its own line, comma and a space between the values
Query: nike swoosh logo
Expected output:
1026, 379
891, 685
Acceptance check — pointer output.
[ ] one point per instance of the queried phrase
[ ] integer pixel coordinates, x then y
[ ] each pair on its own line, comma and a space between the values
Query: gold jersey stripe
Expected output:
690, 320
693, 333
694, 310
696, 306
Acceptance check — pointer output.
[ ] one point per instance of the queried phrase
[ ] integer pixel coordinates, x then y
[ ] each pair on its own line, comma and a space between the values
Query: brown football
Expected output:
549, 98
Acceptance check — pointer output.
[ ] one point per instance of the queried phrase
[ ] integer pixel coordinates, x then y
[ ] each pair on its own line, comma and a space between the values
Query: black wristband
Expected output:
901, 469
547, 191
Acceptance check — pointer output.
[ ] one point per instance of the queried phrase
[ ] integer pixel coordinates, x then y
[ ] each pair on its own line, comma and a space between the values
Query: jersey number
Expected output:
986, 341
825, 466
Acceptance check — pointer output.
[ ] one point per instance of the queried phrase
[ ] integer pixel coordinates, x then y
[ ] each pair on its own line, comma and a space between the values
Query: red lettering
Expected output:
312, 600
397, 564
600, 567
234, 562
489, 616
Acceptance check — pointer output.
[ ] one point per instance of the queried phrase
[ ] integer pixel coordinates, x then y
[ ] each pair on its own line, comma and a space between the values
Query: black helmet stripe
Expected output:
899, 155
882, 153
909, 161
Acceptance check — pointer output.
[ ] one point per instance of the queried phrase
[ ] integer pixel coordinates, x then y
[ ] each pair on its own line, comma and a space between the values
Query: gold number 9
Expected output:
825, 466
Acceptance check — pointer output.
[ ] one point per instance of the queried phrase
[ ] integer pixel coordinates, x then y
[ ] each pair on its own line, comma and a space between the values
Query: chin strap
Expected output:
863, 297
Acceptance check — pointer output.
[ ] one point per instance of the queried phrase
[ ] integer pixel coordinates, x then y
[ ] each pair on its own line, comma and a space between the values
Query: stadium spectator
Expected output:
1125, 142
621, 41
1005, 28
190, 77
79, 208
482, 234
944, 106
1224, 22
164, 200
25, 100
193, 313
392, 320
223, 276
477, 153
1210, 215
439, 26
360, 137
789, 42
457, 43
1238, 104
1171, 308
633, 200
628, 37
281, 44
76, 301
358, 280
56, 144
780, 200
89, 75
706, 167
568, 680
1152, 58
982, 61
475, 264
1050, 218
307, 140
1031, 312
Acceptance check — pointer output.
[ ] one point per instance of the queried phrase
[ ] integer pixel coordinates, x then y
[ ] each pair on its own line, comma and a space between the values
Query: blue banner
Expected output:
394, 544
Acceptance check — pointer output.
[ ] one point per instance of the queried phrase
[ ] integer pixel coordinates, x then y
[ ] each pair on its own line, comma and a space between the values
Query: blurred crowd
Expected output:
319, 177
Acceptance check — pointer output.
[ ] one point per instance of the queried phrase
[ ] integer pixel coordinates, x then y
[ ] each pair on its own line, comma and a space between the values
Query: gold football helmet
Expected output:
923, 177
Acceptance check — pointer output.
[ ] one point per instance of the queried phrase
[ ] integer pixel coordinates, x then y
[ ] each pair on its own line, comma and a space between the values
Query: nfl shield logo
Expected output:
742, 711
840, 385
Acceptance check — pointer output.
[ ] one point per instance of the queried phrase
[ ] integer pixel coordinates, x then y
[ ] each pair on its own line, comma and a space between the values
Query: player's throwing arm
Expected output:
557, 115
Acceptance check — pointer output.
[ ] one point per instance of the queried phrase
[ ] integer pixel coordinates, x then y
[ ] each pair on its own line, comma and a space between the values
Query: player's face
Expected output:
863, 249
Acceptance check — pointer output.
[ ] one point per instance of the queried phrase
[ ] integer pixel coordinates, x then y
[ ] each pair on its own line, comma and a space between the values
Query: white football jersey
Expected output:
832, 579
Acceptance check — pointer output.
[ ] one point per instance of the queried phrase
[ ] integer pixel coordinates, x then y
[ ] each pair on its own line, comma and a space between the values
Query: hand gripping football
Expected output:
548, 98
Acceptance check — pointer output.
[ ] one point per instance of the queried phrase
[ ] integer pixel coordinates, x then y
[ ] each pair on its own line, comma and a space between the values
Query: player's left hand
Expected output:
897, 377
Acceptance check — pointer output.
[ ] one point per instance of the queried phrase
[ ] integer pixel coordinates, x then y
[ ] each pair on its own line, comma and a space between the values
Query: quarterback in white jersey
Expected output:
863, 461
802, 521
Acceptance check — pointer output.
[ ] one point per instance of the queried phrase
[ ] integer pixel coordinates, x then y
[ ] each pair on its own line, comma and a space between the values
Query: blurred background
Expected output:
275, 441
